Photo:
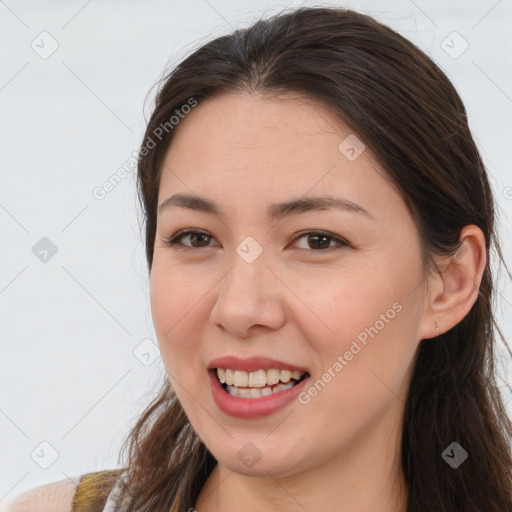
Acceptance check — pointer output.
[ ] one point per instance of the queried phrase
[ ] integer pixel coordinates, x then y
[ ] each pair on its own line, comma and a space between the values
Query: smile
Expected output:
258, 383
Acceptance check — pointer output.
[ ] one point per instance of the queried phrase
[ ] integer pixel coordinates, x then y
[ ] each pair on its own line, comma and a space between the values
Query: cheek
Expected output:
174, 300
338, 306
361, 327
174, 304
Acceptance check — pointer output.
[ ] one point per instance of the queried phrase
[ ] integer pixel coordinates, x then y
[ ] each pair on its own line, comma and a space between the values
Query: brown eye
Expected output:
317, 240
320, 240
197, 239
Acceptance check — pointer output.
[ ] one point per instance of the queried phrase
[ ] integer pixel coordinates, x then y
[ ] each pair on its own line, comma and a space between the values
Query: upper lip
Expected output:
252, 364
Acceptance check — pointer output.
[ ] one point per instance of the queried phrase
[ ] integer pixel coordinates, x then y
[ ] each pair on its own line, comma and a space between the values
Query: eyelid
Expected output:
174, 239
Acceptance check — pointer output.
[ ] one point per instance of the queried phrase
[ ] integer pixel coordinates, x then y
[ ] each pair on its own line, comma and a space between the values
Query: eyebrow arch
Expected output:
275, 211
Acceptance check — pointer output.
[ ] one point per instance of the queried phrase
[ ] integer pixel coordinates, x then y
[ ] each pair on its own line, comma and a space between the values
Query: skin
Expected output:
297, 302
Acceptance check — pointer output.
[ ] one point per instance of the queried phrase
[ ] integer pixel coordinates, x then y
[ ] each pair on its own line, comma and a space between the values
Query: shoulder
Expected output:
52, 497
87, 492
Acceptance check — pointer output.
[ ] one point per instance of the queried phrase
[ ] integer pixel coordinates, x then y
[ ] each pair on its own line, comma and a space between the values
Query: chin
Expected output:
262, 469
249, 460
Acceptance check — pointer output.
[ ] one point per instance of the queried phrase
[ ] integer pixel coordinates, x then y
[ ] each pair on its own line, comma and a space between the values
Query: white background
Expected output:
69, 327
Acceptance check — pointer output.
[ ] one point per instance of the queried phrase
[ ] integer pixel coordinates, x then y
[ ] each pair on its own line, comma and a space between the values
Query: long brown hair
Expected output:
406, 111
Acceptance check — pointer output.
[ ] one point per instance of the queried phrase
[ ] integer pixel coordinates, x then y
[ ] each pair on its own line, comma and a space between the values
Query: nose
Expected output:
250, 298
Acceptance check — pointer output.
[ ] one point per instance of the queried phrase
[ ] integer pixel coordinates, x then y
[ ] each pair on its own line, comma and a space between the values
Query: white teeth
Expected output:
285, 376
257, 383
229, 376
258, 378
254, 392
273, 376
282, 387
245, 392
241, 379
234, 391
258, 392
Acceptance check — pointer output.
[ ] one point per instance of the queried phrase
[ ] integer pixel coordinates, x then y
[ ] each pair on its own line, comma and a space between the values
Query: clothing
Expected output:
92, 495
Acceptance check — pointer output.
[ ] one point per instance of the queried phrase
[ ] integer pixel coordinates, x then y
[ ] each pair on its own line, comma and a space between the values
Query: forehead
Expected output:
273, 128
241, 146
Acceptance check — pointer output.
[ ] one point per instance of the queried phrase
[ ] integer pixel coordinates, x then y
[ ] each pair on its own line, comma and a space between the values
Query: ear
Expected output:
454, 289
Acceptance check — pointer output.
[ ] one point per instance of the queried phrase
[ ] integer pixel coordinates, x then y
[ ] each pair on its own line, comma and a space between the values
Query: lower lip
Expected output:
252, 407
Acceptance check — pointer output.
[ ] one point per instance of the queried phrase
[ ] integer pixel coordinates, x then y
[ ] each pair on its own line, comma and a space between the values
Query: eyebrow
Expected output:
274, 211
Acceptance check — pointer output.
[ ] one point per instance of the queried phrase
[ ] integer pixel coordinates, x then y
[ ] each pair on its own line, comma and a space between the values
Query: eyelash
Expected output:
175, 239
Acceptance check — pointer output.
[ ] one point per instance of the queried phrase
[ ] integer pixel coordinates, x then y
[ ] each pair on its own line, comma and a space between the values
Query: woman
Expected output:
318, 229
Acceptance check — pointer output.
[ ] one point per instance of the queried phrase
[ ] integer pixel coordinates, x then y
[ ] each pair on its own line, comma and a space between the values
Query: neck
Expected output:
365, 476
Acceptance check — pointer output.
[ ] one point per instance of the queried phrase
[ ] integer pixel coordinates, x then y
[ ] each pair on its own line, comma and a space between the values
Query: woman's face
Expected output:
346, 305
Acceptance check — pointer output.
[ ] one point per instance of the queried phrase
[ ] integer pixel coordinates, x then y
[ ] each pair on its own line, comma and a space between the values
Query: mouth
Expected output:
258, 383
255, 387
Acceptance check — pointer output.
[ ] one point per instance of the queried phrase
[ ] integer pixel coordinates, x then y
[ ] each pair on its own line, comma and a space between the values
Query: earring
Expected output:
438, 333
